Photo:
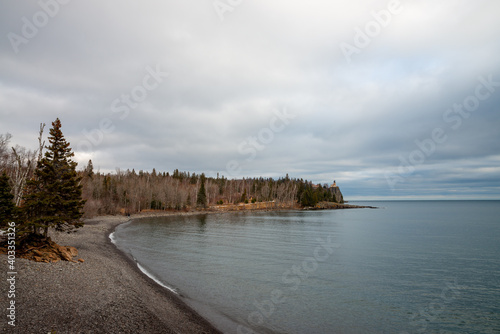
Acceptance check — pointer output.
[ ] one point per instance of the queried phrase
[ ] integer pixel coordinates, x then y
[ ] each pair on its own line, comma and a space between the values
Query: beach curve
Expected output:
108, 293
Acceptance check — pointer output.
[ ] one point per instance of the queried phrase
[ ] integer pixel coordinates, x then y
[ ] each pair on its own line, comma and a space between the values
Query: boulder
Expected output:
66, 253
73, 251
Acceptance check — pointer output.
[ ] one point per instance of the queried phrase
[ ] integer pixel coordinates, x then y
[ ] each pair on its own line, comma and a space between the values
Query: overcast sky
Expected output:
392, 99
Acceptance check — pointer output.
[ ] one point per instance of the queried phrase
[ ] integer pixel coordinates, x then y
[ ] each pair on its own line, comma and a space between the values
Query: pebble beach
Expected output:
106, 293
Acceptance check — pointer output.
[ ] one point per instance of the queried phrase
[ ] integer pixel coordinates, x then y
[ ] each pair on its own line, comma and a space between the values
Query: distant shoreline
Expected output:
258, 206
338, 206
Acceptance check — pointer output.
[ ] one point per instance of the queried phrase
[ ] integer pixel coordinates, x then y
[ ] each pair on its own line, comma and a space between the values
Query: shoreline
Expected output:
164, 290
107, 293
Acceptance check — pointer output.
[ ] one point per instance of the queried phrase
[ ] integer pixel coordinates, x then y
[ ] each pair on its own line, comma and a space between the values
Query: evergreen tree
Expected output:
54, 196
243, 196
307, 198
89, 170
7, 207
201, 200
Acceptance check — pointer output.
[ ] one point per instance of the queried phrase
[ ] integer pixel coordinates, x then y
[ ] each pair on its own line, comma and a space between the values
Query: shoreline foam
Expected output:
147, 273
144, 270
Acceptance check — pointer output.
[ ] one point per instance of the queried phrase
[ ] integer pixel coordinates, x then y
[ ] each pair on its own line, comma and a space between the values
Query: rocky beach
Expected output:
100, 290
106, 293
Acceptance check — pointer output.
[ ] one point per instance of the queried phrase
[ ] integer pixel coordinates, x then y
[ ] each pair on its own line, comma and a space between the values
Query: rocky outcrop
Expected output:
48, 251
338, 194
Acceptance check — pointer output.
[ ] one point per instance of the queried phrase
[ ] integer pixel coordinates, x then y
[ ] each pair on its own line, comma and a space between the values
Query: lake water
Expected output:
407, 267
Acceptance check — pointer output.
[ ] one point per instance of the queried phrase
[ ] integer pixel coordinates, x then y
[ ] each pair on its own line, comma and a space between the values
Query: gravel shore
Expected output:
105, 294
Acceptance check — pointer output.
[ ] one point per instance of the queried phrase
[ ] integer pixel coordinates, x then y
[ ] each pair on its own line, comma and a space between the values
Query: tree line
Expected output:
43, 190
130, 191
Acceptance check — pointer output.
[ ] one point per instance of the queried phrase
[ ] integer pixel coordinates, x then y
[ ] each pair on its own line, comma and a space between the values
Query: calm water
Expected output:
408, 267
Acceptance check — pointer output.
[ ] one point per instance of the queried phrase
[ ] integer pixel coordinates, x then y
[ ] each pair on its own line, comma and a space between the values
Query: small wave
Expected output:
155, 279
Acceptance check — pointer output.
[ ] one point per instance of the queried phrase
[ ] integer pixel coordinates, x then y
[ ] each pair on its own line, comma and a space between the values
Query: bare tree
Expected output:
23, 166
22, 170
4, 151
41, 143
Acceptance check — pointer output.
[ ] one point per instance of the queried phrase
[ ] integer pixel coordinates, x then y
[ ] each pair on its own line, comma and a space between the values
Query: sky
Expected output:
392, 99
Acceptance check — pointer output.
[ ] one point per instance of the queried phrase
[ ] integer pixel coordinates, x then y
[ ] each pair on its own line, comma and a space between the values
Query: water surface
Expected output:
408, 267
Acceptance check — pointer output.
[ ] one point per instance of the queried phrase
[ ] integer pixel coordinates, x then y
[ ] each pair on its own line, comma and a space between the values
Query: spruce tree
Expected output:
7, 207
54, 195
89, 170
201, 200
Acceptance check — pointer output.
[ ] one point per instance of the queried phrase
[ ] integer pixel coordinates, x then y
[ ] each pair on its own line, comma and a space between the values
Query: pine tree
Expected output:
201, 200
54, 196
89, 170
7, 207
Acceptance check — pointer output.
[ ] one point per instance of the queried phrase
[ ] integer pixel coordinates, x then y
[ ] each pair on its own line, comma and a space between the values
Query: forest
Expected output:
131, 191
128, 192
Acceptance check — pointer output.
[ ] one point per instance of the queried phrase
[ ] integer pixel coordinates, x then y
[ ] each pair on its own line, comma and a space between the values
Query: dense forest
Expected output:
130, 191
